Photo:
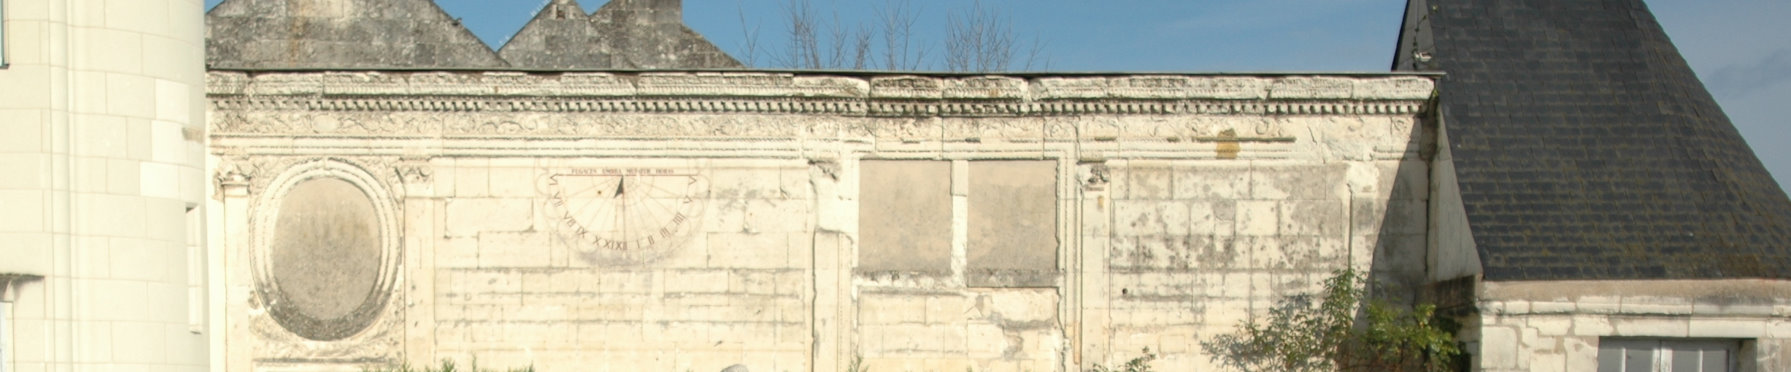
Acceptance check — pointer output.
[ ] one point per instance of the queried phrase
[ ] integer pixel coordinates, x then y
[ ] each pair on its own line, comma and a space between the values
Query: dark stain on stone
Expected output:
1228, 147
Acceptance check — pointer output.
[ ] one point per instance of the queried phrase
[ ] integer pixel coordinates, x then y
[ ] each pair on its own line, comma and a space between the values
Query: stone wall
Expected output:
693, 221
1558, 326
101, 198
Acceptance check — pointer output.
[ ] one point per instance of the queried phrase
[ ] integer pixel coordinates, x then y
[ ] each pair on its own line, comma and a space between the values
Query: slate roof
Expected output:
340, 34
417, 34
561, 36
1587, 149
623, 34
650, 34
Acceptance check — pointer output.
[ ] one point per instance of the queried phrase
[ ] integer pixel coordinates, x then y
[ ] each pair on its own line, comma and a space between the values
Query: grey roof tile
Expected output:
1587, 149
623, 34
346, 34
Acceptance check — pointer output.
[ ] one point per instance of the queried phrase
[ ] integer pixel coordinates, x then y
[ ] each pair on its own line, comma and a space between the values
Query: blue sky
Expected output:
1730, 43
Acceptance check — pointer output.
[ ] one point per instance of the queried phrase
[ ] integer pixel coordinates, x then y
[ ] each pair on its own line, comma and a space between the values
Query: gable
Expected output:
363, 34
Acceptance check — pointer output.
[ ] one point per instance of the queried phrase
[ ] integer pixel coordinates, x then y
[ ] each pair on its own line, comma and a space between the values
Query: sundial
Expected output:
625, 210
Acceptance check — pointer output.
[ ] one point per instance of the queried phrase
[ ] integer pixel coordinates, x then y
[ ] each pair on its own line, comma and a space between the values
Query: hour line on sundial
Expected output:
626, 209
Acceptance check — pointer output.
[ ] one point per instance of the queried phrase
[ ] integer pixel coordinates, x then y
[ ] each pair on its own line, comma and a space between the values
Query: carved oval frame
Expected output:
267, 292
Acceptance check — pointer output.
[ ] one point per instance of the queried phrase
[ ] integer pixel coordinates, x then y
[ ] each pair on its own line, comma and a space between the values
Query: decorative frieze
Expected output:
907, 95
985, 88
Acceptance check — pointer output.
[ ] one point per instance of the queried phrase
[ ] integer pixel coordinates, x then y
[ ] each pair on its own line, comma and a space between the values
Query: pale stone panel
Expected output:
904, 216
1012, 215
326, 248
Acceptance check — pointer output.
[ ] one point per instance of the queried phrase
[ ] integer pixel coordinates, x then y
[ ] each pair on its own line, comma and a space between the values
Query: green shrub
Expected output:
1302, 336
446, 366
1139, 364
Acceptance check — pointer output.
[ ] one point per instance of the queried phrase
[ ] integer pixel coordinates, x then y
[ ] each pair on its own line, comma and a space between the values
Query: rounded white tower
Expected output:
101, 202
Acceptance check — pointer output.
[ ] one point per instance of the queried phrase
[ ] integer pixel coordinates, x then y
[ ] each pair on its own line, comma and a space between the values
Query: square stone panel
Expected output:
1012, 222
904, 216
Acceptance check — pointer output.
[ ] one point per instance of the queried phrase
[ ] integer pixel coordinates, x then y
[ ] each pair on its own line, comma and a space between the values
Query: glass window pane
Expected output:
1638, 360
1686, 360
1610, 356
1613, 365
1716, 360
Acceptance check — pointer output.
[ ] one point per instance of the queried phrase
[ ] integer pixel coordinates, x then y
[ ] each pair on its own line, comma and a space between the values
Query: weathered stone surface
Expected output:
912, 219
905, 214
623, 34
325, 259
342, 34
1013, 216
561, 36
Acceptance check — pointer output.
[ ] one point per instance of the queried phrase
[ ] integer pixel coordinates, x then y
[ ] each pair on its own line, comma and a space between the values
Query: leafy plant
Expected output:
1139, 364
1300, 335
446, 366
857, 364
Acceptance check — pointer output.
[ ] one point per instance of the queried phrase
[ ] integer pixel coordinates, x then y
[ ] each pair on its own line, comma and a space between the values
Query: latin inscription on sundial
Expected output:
625, 210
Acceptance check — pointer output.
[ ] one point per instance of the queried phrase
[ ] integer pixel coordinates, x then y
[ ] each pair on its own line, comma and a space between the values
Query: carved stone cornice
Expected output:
786, 93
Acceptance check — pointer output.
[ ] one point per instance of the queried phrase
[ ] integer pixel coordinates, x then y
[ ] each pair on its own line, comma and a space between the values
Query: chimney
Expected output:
656, 11
667, 11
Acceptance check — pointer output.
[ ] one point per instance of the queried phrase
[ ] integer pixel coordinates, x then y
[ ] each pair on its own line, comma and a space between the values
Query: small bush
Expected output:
1302, 336
446, 366
1139, 364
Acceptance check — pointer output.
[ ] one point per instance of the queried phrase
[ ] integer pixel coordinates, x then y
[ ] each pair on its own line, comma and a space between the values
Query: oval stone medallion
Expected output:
325, 260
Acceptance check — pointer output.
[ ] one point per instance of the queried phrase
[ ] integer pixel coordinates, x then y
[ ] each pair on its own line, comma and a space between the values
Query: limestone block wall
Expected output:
1559, 326
513, 292
1196, 246
101, 215
795, 222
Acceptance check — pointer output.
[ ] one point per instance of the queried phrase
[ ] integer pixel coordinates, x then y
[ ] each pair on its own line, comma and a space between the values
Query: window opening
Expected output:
2, 44
4, 336
195, 271
1666, 355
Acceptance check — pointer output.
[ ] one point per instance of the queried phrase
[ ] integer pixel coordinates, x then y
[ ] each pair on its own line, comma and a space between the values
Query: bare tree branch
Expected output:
897, 19
978, 38
751, 41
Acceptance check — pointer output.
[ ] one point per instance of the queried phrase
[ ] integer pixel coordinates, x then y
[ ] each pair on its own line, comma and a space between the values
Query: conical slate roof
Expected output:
340, 34
623, 34
1587, 149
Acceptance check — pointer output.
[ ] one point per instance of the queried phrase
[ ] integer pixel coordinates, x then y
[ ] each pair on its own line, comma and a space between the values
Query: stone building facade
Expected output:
693, 221
260, 191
